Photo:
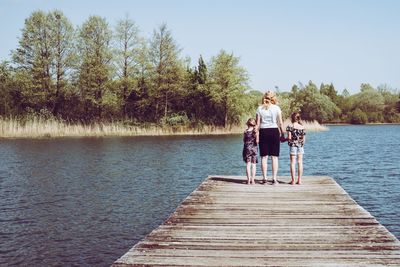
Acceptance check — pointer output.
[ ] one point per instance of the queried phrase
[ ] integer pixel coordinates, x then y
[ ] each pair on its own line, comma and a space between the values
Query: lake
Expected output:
86, 201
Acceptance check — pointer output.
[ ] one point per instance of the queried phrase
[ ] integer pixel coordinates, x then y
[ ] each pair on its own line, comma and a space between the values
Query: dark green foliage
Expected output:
166, 75
5, 89
126, 57
44, 59
228, 83
198, 99
398, 106
94, 67
312, 104
358, 117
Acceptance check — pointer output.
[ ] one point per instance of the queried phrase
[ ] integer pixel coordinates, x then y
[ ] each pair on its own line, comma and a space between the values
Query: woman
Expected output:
269, 123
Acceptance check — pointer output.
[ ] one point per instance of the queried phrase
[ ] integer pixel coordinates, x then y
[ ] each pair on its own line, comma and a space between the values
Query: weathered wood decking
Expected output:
227, 223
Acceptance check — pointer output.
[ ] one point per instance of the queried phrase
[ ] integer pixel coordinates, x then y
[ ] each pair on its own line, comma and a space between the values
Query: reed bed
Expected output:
310, 126
41, 128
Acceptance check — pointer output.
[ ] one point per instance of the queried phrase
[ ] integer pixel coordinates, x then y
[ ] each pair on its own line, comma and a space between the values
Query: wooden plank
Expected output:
225, 222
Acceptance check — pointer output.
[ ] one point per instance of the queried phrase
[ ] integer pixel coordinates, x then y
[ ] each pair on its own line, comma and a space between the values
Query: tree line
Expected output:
98, 73
325, 104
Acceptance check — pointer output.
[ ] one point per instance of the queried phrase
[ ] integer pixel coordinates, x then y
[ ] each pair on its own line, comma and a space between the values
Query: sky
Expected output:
279, 43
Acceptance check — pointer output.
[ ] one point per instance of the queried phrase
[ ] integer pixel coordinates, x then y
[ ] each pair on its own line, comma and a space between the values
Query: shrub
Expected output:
358, 117
176, 119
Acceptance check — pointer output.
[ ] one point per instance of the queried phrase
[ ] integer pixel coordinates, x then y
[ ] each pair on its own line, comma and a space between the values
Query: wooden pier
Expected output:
227, 223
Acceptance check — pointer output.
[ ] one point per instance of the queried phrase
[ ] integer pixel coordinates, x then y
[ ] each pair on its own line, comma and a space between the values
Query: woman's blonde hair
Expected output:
269, 98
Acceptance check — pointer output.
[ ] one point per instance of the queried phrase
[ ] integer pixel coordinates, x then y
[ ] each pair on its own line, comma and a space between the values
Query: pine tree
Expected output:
201, 71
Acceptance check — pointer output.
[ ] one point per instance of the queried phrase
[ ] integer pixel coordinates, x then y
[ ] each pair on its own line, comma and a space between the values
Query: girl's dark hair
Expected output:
251, 122
295, 117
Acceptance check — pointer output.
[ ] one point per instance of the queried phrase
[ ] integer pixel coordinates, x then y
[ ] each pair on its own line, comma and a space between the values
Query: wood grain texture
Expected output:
225, 222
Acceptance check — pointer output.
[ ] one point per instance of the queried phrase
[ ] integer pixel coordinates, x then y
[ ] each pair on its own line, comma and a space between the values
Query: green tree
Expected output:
64, 55
228, 83
285, 102
34, 57
166, 70
45, 56
370, 101
5, 78
296, 102
314, 105
398, 105
197, 102
202, 74
126, 53
358, 117
138, 103
345, 104
329, 90
391, 99
252, 100
95, 65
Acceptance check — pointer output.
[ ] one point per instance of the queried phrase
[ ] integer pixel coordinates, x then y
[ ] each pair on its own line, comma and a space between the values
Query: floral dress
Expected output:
249, 147
297, 136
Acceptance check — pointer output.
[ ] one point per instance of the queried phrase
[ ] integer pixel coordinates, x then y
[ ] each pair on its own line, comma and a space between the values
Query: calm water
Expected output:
85, 202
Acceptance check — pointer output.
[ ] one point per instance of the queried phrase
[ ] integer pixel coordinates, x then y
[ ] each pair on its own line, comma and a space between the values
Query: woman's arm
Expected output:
280, 123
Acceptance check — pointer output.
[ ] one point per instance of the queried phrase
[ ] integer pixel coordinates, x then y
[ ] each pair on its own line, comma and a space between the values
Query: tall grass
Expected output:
310, 126
41, 128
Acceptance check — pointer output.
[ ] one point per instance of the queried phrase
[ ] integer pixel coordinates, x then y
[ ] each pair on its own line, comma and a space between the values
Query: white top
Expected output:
269, 117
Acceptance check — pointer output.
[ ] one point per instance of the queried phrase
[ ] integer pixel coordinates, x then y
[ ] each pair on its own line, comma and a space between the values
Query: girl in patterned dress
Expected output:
296, 140
250, 141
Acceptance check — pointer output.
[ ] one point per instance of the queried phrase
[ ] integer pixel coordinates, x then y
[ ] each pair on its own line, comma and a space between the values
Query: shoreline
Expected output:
370, 123
188, 133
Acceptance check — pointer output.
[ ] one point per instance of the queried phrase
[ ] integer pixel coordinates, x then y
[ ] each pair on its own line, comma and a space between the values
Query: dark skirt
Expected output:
269, 142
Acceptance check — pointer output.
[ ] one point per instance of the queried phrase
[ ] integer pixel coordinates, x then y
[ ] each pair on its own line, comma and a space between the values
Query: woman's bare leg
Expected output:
264, 167
275, 166
292, 167
300, 168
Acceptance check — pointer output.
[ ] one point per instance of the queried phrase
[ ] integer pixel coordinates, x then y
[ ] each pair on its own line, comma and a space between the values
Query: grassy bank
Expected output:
40, 128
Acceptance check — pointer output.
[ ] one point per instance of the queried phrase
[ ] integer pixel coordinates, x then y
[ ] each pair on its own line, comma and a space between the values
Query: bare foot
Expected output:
292, 182
298, 182
275, 182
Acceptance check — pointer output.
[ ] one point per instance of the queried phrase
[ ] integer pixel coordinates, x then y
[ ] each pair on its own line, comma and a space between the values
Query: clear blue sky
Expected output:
280, 43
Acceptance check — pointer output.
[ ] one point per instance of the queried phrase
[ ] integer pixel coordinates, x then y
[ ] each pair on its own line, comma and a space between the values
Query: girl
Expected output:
296, 140
250, 140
